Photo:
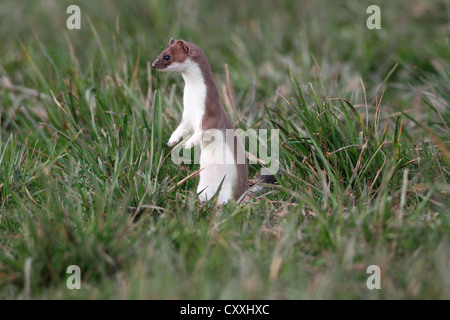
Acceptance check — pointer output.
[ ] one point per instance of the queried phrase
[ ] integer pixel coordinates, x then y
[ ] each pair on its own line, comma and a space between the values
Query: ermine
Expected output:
222, 161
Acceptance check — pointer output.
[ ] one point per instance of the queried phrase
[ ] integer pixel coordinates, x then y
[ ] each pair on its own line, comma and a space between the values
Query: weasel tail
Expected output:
222, 160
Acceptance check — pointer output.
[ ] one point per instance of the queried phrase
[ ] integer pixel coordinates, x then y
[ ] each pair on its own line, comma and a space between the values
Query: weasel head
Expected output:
175, 57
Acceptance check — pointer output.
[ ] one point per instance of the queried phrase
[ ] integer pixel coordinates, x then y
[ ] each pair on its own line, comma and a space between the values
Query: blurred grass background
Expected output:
84, 123
322, 41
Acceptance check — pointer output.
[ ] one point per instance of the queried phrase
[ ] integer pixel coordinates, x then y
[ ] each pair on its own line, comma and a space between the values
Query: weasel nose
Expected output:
154, 64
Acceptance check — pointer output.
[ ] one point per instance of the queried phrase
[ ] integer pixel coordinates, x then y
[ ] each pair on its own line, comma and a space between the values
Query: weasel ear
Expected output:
171, 42
183, 45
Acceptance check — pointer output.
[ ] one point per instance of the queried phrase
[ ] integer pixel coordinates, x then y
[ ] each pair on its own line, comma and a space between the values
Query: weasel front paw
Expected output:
173, 141
188, 144
192, 141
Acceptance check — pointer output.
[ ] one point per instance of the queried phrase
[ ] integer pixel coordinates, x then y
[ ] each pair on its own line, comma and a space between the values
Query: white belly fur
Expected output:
215, 168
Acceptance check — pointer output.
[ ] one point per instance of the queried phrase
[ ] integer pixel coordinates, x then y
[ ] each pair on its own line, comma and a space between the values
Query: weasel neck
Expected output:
192, 74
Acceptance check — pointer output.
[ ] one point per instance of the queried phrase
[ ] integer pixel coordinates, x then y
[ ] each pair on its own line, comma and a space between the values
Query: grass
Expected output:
363, 118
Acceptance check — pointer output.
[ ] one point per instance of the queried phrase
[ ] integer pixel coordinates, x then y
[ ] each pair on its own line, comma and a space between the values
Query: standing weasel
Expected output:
222, 159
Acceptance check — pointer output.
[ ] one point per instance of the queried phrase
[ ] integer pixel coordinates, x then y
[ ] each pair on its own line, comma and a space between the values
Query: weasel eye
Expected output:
167, 57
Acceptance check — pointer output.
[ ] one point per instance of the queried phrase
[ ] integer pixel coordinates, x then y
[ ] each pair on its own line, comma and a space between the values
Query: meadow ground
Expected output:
363, 117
